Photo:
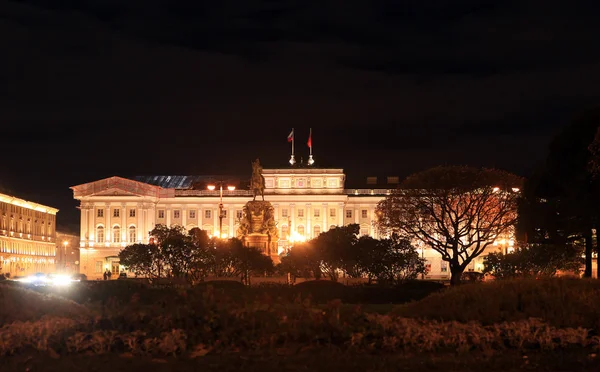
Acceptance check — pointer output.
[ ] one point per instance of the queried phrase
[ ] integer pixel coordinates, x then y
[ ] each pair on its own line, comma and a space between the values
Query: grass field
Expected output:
532, 325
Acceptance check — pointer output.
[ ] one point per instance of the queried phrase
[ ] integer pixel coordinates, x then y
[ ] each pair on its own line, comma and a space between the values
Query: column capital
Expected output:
325, 204
308, 204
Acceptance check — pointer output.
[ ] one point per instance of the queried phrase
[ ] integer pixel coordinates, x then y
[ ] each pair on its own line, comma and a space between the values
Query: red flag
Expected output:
291, 136
309, 143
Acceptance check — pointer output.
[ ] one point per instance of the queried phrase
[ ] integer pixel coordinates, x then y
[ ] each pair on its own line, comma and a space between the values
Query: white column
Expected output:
91, 223
356, 215
107, 223
83, 230
184, 213
168, 212
342, 216
124, 226
308, 231
371, 222
325, 211
139, 227
150, 221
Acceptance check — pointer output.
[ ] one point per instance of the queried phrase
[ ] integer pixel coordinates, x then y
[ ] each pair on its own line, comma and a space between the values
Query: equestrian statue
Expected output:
257, 183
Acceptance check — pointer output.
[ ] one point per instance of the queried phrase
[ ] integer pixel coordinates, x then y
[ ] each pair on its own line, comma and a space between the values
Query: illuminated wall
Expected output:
27, 237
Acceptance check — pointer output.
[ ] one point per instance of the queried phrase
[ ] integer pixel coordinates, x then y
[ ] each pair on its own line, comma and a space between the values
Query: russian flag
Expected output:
291, 136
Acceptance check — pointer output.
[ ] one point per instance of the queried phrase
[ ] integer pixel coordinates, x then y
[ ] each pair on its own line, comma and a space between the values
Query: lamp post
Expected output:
212, 188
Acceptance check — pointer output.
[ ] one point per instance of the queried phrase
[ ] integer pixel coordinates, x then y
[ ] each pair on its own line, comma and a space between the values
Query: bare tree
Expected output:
456, 211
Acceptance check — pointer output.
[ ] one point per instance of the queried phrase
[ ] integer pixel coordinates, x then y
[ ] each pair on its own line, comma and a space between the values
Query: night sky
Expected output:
101, 88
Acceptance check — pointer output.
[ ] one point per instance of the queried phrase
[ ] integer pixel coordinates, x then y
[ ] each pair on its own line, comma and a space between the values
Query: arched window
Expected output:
364, 230
316, 231
132, 234
284, 232
100, 234
300, 230
116, 234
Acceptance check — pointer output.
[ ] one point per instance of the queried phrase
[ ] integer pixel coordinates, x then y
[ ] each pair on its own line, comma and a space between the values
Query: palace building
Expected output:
27, 237
119, 211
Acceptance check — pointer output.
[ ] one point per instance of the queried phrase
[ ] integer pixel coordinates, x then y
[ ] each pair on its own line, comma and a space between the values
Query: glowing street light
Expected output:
212, 188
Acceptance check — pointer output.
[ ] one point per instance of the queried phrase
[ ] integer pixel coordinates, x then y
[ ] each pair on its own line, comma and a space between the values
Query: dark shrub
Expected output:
226, 285
321, 290
560, 302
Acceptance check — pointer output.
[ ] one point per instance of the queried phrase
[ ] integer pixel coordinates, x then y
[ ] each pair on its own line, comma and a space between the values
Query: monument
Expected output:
257, 227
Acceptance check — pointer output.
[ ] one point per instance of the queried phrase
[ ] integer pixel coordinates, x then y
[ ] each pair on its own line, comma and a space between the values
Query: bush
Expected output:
560, 302
321, 290
22, 304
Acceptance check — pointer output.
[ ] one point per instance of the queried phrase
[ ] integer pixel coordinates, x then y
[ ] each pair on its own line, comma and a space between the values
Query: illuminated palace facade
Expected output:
27, 237
119, 211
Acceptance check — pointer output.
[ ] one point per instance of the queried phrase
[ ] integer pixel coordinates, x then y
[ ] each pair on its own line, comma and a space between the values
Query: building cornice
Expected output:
27, 204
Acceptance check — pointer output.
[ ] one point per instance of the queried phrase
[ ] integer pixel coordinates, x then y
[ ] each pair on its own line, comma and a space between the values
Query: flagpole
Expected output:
311, 161
292, 160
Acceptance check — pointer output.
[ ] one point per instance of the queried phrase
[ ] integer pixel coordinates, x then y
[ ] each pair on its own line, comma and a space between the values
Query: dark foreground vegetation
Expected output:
502, 325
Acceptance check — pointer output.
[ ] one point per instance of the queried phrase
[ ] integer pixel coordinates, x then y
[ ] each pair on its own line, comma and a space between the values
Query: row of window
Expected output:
208, 213
116, 212
116, 234
25, 211
25, 227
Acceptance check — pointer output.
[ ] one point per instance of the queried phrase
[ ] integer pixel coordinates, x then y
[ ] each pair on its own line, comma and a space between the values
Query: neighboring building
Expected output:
117, 211
27, 237
67, 253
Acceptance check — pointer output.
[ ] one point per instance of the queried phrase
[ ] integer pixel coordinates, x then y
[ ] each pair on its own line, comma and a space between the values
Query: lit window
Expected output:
238, 214
207, 213
132, 235
192, 214
100, 234
349, 213
300, 212
317, 230
224, 213
301, 230
116, 234
132, 213
176, 213
100, 213
364, 231
444, 266
284, 212
161, 213
364, 213
317, 213
98, 267
116, 212
332, 212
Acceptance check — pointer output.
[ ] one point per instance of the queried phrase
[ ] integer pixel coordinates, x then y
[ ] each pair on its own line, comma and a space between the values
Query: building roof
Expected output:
189, 182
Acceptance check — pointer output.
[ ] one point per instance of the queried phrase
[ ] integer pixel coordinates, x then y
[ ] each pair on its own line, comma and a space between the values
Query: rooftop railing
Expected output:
358, 192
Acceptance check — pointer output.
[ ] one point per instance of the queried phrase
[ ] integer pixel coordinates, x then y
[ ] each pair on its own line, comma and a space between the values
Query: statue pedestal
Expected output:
258, 229
261, 242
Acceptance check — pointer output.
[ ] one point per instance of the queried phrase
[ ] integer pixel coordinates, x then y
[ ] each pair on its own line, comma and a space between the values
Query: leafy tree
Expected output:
144, 260
534, 260
202, 257
401, 261
301, 262
175, 245
561, 200
232, 259
335, 249
456, 211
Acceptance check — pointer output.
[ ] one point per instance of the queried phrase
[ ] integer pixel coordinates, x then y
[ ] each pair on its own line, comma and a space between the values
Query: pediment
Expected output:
114, 191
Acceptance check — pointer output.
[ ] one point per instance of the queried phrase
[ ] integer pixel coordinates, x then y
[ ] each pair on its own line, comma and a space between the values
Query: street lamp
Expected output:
212, 188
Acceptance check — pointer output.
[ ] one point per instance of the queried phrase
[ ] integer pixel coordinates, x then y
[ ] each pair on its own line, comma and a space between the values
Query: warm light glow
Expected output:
65, 243
496, 189
295, 237
230, 188
515, 189
211, 187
